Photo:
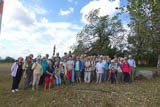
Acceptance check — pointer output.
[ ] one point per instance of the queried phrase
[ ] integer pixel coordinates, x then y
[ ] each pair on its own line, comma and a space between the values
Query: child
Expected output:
49, 76
57, 74
113, 68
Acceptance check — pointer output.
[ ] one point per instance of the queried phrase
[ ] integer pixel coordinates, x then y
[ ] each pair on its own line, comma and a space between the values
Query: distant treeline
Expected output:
7, 60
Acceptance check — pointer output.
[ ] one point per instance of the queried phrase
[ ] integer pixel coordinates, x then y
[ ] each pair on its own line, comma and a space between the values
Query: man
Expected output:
57, 58
133, 67
65, 57
87, 73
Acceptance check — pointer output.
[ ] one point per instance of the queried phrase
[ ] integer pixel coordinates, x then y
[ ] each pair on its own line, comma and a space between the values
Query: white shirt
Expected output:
100, 67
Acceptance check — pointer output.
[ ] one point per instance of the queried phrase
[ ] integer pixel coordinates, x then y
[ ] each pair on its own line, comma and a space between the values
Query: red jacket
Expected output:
126, 67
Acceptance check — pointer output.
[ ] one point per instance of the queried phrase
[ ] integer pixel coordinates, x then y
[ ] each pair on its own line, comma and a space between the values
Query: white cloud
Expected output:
66, 12
23, 34
38, 10
106, 7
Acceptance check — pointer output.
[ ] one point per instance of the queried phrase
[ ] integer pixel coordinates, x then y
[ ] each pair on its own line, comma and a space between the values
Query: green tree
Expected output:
100, 36
144, 29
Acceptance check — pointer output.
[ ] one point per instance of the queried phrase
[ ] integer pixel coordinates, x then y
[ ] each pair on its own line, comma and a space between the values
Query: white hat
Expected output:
112, 61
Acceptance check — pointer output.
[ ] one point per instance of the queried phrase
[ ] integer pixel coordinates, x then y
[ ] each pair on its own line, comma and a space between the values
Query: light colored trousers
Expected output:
58, 80
36, 78
87, 77
99, 77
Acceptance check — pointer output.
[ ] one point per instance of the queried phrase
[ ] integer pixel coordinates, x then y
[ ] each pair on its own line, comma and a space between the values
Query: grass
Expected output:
140, 93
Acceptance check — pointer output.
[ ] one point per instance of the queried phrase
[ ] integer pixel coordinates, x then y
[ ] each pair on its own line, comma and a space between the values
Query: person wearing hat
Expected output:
126, 69
57, 74
49, 76
119, 70
16, 73
99, 70
37, 72
113, 69
133, 66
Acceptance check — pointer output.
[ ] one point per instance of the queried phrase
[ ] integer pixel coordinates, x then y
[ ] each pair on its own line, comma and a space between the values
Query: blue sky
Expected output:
34, 26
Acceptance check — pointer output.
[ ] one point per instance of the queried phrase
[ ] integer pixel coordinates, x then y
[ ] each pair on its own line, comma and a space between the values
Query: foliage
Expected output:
144, 29
7, 60
100, 36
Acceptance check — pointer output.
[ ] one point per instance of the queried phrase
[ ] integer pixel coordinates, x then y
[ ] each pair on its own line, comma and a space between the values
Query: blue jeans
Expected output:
104, 76
73, 76
58, 80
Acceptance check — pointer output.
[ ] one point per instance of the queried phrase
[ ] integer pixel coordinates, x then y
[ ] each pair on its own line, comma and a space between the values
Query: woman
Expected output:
70, 66
126, 69
78, 69
87, 73
105, 62
44, 63
27, 67
49, 76
16, 73
113, 68
37, 72
99, 70
65, 70
57, 74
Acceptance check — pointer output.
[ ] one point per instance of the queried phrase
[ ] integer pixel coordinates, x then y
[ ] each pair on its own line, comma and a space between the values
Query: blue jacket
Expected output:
80, 65
44, 65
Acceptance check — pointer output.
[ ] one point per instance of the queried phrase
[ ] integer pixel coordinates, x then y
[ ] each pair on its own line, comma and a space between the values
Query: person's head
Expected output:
65, 60
38, 59
70, 52
87, 58
31, 56
70, 58
39, 56
47, 56
130, 56
53, 58
73, 57
121, 59
100, 59
44, 59
56, 64
65, 54
77, 58
125, 59
115, 56
57, 54
20, 60
109, 60
112, 61
28, 58
50, 64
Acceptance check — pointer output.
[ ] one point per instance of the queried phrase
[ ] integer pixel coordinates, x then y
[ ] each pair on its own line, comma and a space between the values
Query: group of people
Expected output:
70, 69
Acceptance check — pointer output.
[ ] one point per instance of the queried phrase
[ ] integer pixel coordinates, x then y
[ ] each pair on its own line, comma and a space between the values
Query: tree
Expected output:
100, 36
144, 29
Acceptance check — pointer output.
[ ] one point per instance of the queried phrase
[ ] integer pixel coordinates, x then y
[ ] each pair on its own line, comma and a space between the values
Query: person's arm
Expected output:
34, 66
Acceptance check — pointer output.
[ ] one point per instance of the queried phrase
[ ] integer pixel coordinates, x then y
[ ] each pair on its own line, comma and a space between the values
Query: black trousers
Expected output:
126, 77
41, 81
113, 77
16, 81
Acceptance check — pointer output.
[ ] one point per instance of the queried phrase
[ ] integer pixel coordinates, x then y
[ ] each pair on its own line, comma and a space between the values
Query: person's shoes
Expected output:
16, 90
33, 89
13, 91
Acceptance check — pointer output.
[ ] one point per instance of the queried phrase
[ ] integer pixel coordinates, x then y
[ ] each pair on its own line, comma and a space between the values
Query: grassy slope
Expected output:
140, 93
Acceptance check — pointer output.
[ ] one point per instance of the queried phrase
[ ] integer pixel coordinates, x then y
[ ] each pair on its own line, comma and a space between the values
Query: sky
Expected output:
35, 26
